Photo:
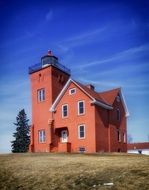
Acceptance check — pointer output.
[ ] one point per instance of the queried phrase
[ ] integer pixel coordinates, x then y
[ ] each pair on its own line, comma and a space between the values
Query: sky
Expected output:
105, 43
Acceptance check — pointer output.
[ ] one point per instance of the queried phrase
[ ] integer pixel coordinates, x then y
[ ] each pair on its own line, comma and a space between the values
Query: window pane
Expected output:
118, 114
81, 131
81, 107
82, 149
119, 136
41, 95
65, 110
42, 136
72, 91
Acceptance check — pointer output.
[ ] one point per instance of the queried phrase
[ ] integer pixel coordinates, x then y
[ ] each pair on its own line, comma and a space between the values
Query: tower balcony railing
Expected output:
39, 66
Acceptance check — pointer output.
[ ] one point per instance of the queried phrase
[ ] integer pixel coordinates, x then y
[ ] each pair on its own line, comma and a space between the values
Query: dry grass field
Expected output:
74, 171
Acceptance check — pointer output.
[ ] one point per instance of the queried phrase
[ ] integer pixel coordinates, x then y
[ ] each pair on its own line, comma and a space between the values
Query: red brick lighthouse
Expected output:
68, 116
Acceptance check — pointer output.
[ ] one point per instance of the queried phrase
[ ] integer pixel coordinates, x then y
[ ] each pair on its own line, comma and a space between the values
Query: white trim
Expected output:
83, 107
79, 131
70, 93
124, 104
102, 104
82, 89
62, 110
52, 109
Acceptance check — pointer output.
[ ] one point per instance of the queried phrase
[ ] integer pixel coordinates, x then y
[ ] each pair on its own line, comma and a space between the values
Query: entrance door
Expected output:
64, 136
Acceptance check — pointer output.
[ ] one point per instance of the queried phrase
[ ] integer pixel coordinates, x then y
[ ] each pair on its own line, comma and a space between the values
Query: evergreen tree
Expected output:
22, 137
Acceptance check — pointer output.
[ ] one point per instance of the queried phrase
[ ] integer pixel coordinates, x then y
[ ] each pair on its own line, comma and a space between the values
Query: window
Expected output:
64, 136
118, 135
72, 91
118, 98
81, 109
118, 115
81, 131
42, 136
124, 137
64, 110
41, 95
81, 149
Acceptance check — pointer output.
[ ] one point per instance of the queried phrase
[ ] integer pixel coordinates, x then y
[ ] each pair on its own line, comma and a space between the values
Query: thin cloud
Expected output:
81, 39
125, 69
49, 15
132, 86
85, 35
119, 56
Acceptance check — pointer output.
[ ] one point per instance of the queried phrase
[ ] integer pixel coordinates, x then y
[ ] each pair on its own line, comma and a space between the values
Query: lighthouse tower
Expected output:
47, 80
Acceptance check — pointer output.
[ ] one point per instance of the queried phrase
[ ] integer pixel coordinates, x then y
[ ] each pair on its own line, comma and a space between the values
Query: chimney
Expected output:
90, 86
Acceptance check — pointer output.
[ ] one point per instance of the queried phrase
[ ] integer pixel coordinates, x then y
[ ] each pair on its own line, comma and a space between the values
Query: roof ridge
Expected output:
118, 88
93, 91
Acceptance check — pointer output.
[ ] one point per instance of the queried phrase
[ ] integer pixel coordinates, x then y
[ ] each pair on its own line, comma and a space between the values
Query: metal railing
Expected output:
39, 66
34, 68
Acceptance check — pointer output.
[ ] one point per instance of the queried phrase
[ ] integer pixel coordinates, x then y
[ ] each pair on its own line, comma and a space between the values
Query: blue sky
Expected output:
105, 43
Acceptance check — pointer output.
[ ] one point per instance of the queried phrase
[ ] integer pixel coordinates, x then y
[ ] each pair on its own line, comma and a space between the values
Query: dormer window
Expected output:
72, 91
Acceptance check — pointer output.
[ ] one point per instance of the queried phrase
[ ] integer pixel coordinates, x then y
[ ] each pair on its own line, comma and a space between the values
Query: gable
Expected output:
110, 96
95, 98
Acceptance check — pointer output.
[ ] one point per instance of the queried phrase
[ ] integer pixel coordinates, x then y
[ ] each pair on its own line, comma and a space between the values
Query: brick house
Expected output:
68, 116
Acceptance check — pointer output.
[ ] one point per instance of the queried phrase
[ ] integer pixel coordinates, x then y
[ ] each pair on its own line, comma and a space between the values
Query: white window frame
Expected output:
79, 107
63, 111
79, 131
41, 95
42, 136
70, 91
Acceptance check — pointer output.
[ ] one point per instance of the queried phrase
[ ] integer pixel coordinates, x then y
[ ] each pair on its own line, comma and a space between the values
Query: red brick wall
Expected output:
47, 78
101, 120
74, 120
114, 125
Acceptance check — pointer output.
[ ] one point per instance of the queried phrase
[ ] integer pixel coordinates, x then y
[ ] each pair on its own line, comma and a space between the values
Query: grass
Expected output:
73, 171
